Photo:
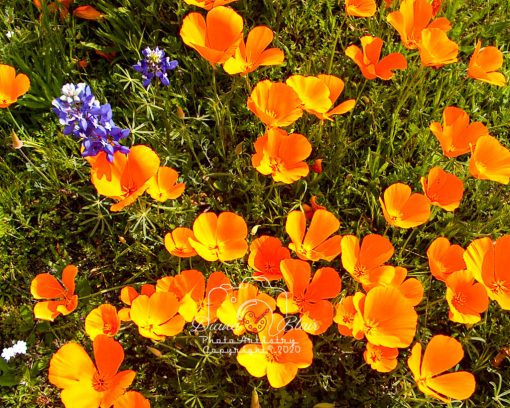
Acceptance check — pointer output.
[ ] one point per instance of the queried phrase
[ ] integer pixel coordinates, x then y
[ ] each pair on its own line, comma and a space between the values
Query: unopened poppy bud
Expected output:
16, 142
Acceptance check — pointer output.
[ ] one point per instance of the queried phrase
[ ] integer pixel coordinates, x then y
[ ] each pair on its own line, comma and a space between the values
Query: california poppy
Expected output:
385, 317
395, 276
445, 258
466, 298
360, 8
220, 237
275, 104
12, 86
163, 185
279, 355
61, 6
490, 160
132, 399
176, 242
488, 261
282, 155
216, 37
436, 49
335, 86
102, 320
85, 384
413, 17
208, 4
312, 91
368, 57
403, 209
380, 358
358, 260
196, 301
315, 243
443, 189
344, 315
484, 64
127, 177
266, 253
63, 300
248, 57
441, 354
88, 13
128, 294
156, 315
456, 134
308, 296
246, 309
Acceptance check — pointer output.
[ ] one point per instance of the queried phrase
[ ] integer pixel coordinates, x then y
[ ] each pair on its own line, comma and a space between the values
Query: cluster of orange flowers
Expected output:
383, 313
129, 176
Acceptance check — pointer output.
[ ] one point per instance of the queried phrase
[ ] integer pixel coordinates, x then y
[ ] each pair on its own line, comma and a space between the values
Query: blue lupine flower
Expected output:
155, 64
82, 116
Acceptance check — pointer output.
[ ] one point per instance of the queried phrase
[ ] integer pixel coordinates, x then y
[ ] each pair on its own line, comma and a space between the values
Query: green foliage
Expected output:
51, 215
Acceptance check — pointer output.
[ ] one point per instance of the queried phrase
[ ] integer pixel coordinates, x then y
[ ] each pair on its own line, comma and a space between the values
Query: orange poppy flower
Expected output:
490, 160
102, 320
380, 358
436, 49
335, 86
46, 286
248, 57
156, 316
415, 16
220, 237
436, 5
216, 37
441, 354
395, 276
312, 91
85, 384
127, 177
310, 209
444, 258
176, 242
484, 63
163, 185
344, 315
457, 134
488, 261
279, 355
128, 294
403, 209
385, 317
275, 104
208, 4
368, 57
266, 253
466, 298
12, 86
443, 189
282, 155
61, 6
196, 301
132, 399
359, 261
360, 8
246, 309
314, 244
88, 13
308, 297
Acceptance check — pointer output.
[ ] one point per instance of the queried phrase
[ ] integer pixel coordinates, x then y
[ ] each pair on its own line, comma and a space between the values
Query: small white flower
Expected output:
9, 34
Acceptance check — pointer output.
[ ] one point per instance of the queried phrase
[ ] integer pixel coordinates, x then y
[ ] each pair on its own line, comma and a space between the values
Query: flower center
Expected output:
100, 383
370, 326
459, 300
360, 272
272, 355
498, 287
275, 163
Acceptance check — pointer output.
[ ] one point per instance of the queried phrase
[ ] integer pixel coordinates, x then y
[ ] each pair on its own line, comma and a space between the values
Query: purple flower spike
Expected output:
155, 64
